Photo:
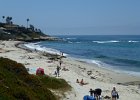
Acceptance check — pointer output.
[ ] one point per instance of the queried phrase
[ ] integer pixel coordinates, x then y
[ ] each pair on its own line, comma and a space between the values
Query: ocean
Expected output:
117, 52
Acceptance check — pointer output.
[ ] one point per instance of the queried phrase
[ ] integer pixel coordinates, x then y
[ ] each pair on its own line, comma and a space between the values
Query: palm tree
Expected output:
27, 22
3, 18
10, 18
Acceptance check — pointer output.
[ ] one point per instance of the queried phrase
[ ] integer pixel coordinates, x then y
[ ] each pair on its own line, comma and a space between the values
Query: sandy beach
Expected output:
94, 76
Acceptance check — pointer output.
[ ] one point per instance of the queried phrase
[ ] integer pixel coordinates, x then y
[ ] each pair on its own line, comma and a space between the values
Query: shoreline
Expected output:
105, 67
107, 70
95, 76
88, 61
113, 73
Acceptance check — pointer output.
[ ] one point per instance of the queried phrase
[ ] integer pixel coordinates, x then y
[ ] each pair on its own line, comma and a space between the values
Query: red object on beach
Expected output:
40, 71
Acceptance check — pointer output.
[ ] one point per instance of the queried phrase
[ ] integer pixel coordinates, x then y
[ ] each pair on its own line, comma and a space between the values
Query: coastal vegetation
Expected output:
17, 84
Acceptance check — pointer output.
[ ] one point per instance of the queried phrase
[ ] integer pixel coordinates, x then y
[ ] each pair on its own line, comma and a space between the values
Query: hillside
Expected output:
17, 84
10, 31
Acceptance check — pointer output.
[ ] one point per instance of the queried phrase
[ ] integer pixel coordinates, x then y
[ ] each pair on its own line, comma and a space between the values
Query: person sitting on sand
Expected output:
65, 69
77, 81
114, 94
82, 82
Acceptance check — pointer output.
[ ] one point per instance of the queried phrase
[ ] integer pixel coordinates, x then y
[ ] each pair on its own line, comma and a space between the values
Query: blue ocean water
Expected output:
120, 52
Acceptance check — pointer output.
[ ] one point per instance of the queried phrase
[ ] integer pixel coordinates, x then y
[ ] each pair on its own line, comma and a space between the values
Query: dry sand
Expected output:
95, 76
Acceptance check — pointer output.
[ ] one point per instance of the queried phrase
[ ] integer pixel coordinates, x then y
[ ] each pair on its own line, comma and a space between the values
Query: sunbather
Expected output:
77, 81
82, 82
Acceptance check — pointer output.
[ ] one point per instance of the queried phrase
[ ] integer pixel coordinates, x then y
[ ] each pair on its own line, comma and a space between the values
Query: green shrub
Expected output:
54, 83
17, 84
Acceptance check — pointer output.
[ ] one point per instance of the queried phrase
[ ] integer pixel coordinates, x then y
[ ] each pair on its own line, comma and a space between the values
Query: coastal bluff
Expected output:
10, 31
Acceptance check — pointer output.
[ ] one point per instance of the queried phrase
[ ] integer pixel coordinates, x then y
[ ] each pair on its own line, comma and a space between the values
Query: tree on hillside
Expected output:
32, 27
27, 21
3, 18
9, 20
39, 30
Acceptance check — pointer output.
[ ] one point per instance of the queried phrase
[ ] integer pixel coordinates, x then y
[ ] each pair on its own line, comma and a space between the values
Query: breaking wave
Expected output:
35, 46
112, 41
132, 41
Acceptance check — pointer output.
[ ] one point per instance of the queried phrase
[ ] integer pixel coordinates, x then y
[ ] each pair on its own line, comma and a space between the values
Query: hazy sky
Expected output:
76, 16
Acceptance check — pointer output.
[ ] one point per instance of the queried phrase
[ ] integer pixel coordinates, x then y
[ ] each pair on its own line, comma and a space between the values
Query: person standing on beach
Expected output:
114, 94
58, 70
91, 92
60, 62
62, 54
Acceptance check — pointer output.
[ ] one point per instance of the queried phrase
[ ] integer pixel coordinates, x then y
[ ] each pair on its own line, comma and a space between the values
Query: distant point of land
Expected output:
12, 31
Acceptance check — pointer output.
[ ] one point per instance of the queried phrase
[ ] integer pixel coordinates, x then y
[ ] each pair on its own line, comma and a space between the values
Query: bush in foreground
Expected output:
16, 83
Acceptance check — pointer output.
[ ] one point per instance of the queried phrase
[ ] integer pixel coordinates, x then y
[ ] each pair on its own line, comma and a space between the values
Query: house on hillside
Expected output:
11, 27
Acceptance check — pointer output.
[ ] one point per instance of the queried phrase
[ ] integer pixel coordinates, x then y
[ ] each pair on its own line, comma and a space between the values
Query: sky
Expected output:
76, 17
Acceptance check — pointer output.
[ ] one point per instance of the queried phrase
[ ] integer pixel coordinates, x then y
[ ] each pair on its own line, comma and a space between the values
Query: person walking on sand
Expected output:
58, 70
60, 62
114, 94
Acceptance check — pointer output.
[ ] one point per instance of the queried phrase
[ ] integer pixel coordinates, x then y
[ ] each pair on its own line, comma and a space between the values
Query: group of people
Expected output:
81, 82
96, 94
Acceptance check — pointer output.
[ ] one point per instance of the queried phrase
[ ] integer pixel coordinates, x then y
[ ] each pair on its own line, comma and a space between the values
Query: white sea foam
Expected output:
73, 42
96, 62
78, 42
132, 41
70, 38
107, 66
90, 61
34, 46
117, 68
112, 41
